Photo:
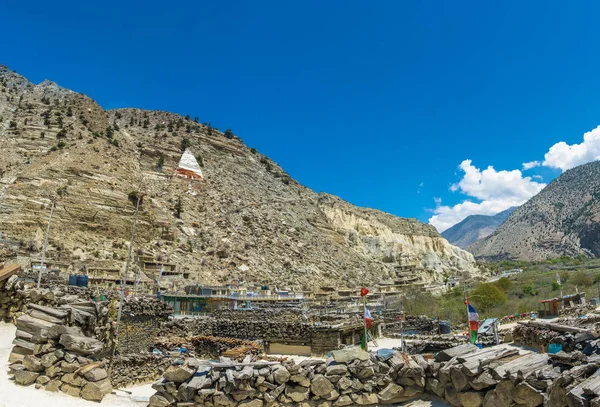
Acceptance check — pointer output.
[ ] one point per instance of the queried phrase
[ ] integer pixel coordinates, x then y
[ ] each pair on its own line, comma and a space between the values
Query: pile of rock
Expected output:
129, 370
464, 376
147, 306
52, 351
540, 333
350, 377
210, 346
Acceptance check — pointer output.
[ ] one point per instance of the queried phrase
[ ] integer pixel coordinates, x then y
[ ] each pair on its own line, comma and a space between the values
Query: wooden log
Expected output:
55, 312
553, 327
32, 325
23, 344
592, 385
45, 317
523, 364
448, 354
475, 364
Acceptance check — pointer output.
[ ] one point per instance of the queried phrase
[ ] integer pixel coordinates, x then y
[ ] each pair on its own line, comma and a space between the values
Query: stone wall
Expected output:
290, 327
464, 376
134, 369
138, 334
210, 347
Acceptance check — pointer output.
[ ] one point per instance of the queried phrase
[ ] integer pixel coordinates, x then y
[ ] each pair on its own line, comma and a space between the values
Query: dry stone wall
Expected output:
464, 376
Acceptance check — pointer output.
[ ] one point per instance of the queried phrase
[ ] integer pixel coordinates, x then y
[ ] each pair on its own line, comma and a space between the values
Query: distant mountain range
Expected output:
563, 219
475, 227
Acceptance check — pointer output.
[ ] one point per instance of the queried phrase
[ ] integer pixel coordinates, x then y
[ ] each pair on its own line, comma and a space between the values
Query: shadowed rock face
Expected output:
250, 221
562, 220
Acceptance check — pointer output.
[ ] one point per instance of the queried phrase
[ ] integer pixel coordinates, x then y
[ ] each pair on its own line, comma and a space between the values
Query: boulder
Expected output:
158, 401
68, 367
178, 373
470, 399
281, 375
526, 395
95, 391
300, 379
343, 401
70, 390
252, 403
321, 386
390, 392
53, 371
81, 344
347, 355
72, 379
43, 380
297, 393
53, 386
49, 359
483, 381
336, 370
366, 399
33, 364
25, 378
95, 375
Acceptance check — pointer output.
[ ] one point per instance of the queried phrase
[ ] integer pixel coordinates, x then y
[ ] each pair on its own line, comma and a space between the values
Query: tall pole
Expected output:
44, 248
402, 343
122, 294
365, 323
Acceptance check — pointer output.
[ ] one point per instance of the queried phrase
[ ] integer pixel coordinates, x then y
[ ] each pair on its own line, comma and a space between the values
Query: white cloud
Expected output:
496, 191
564, 156
531, 164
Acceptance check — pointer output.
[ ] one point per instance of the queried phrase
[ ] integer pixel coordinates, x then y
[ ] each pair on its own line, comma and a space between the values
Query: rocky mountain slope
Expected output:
475, 227
249, 222
562, 220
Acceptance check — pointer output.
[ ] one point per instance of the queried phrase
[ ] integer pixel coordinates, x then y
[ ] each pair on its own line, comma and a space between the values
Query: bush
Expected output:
253, 150
488, 295
133, 197
528, 290
200, 160
581, 278
555, 285
229, 134
161, 161
185, 143
504, 283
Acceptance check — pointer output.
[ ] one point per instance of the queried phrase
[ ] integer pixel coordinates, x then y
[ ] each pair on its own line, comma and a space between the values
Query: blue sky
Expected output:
379, 102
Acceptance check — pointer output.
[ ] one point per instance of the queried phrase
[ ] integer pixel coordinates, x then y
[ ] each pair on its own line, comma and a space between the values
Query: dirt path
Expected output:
12, 395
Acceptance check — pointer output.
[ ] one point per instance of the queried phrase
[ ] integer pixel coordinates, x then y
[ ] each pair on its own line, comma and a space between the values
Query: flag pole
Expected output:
365, 323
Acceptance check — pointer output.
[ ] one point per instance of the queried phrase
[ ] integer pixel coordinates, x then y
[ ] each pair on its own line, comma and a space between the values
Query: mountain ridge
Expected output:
250, 221
475, 227
561, 220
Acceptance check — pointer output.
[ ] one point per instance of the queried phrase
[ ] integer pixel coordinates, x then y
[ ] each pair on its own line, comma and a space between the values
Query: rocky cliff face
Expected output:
562, 220
248, 222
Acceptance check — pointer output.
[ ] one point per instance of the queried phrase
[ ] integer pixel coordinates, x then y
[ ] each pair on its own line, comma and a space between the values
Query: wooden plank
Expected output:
8, 271
55, 312
459, 350
474, 365
520, 364
45, 317
592, 385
